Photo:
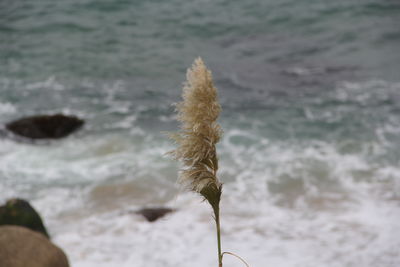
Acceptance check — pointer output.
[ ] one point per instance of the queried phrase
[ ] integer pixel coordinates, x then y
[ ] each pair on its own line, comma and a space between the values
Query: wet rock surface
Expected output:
21, 247
45, 126
19, 212
153, 214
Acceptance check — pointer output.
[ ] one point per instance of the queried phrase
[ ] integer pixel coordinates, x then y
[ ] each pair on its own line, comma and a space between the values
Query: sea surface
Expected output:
310, 157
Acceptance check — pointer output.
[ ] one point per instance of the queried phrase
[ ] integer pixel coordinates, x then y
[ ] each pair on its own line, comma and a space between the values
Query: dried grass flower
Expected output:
196, 140
199, 133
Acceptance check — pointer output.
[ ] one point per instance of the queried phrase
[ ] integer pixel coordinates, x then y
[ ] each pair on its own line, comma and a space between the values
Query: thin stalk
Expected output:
242, 260
217, 221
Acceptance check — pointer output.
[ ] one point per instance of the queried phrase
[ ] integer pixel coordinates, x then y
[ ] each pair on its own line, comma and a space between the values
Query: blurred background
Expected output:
310, 92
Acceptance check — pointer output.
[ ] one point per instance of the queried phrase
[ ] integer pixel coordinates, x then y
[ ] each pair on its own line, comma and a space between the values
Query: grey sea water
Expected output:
310, 92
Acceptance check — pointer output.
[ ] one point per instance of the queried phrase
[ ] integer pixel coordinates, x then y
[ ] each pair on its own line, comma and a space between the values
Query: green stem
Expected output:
217, 221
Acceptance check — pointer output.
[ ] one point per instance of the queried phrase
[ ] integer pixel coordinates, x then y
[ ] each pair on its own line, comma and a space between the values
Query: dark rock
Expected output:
21, 247
153, 214
45, 126
20, 212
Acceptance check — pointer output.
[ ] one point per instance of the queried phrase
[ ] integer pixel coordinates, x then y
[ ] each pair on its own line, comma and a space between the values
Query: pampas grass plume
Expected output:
199, 133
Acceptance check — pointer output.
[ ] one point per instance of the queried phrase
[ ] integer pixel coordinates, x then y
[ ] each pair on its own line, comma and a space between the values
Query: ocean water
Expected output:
310, 157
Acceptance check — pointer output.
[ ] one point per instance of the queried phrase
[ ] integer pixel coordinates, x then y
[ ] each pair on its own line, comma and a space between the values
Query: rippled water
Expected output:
310, 155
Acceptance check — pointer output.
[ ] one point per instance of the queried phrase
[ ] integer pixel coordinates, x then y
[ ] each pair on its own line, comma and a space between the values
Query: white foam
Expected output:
7, 108
263, 235
357, 231
351, 226
50, 83
285, 204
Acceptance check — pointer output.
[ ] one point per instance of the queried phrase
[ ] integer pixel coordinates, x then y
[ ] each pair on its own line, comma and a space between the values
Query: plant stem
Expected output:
217, 221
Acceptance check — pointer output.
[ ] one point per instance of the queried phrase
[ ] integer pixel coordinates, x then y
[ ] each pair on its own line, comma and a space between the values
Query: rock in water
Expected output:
20, 212
153, 214
45, 126
21, 247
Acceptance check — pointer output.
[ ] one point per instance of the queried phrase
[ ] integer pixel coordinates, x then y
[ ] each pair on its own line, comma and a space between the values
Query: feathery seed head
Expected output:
199, 133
